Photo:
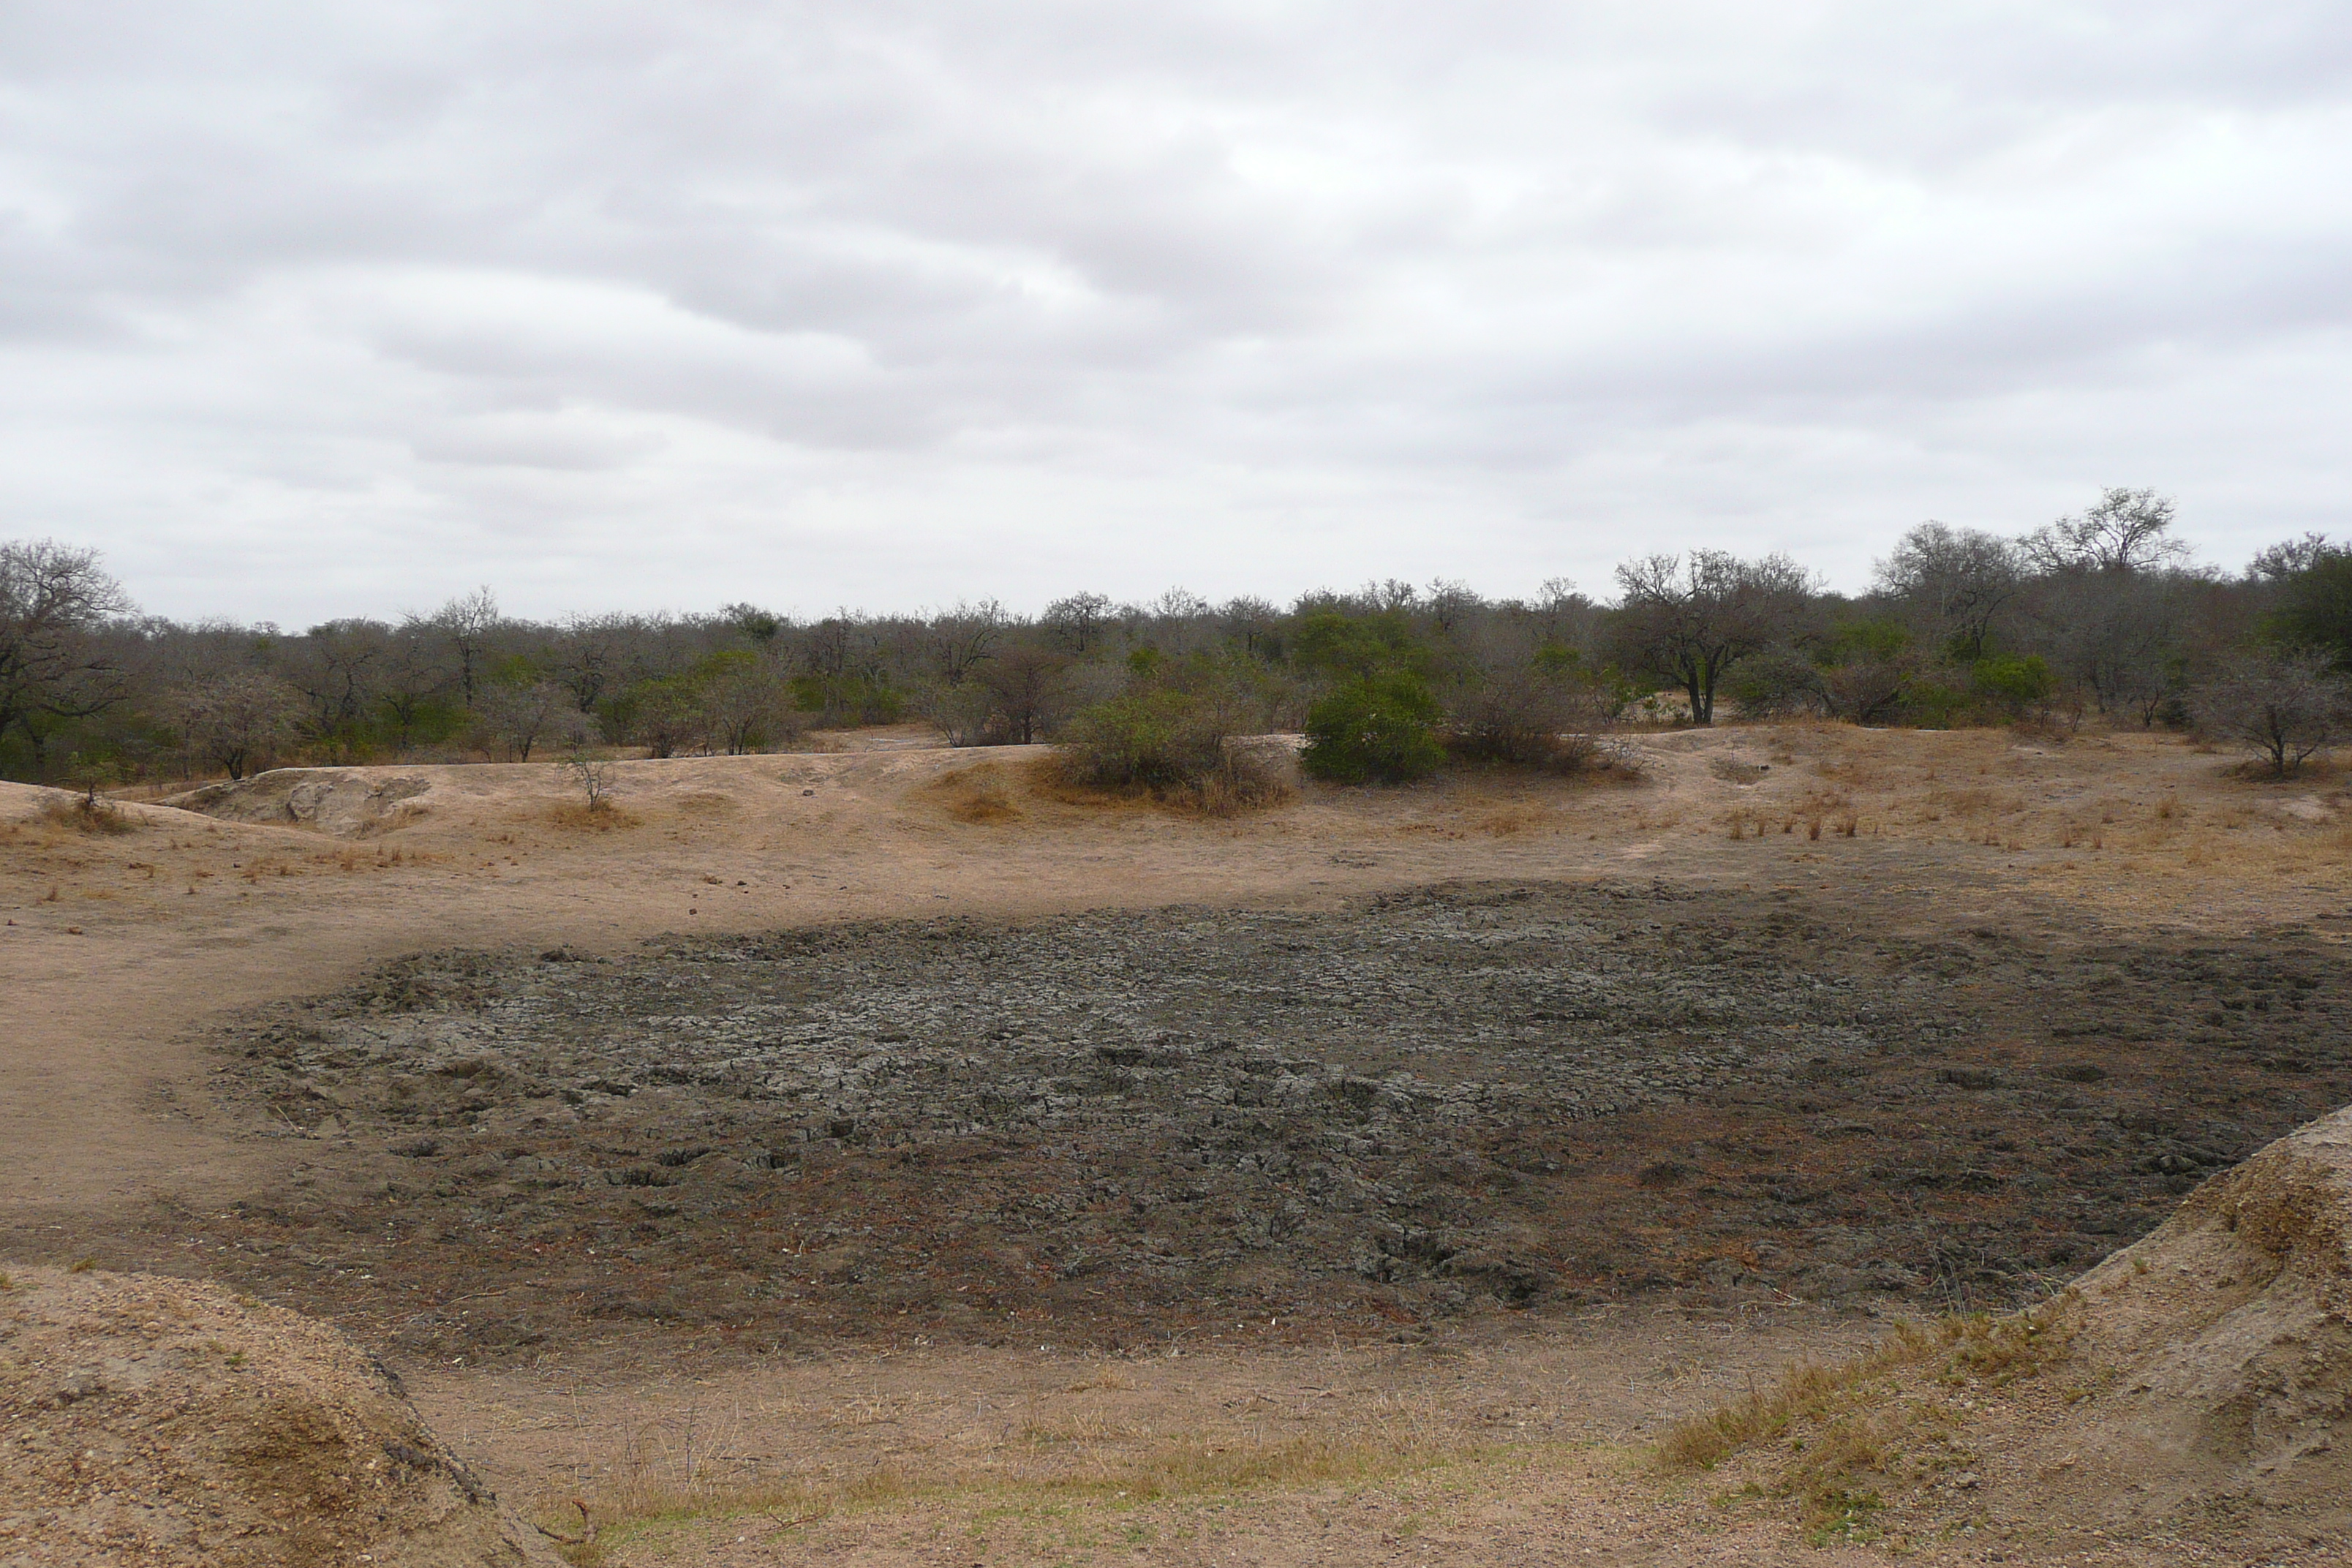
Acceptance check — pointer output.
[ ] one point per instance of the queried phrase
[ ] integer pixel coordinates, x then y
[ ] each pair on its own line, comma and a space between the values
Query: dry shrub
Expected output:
90, 813
1242, 778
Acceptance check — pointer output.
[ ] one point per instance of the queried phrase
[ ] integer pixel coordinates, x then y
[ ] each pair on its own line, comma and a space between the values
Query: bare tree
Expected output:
2117, 634
1078, 622
237, 720
1955, 578
955, 640
53, 599
411, 680
2284, 706
2125, 530
1692, 621
1029, 687
521, 714
742, 700
466, 622
2293, 558
1514, 693
594, 777
335, 666
590, 654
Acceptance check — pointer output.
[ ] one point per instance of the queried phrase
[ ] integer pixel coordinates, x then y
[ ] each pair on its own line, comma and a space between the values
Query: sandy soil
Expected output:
123, 953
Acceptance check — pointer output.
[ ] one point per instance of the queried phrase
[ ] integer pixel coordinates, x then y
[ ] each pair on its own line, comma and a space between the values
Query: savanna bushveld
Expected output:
2101, 615
1716, 1070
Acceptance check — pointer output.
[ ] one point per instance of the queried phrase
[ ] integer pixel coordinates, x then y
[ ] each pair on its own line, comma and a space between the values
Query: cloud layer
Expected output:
314, 311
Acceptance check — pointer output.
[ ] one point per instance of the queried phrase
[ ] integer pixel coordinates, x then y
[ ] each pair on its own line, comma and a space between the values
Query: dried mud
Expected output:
1113, 1128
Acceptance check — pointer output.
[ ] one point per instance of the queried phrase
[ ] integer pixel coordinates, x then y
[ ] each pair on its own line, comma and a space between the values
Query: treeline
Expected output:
2098, 613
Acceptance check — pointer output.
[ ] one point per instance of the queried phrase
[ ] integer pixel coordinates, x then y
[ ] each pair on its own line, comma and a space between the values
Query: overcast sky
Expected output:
311, 310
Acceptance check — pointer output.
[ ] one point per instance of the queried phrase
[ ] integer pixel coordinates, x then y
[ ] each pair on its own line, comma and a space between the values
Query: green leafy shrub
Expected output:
1151, 736
1378, 728
842, 701
2015, 683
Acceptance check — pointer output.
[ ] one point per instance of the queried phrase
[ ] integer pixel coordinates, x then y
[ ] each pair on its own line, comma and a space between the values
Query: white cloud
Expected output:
310, 310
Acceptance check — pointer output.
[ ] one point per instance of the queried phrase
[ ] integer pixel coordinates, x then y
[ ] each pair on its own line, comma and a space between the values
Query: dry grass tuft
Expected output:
976, 795
1510, 821
93, 814
1836, 1433
602, 817
656, 1487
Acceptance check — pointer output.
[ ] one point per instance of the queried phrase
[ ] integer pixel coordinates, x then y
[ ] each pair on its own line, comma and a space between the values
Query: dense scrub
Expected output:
2100, 613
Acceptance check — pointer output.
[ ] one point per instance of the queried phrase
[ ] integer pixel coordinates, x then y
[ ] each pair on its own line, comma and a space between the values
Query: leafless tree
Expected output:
335, 668
590, 653
411, 677
53, 667
2293, 557
520, 715
742, 702
594, 777
1513, 693
467, 623
1956, 579
2125, 530
1029, 688
1692, 620
1077, 623
2283, 706
2116, 635
957, 639
237, 720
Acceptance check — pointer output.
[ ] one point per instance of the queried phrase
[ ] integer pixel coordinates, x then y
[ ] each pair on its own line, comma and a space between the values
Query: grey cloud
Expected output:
1501, 278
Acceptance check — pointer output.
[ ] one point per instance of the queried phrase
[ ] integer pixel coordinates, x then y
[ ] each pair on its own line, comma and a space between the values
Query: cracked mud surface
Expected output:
1109, 1128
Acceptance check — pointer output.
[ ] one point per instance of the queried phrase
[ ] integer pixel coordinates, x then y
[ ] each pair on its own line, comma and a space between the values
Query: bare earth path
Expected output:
121, 952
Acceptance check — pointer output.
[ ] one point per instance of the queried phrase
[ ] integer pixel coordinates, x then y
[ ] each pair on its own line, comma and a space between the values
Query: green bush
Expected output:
1151, 737
842, 701
2015, 683
1381, 727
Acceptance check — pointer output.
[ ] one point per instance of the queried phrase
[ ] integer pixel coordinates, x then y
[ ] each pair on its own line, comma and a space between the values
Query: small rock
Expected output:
79, 1385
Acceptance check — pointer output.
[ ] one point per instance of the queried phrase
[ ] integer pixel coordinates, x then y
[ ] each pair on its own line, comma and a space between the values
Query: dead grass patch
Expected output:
977, 794
1510, 821
602, 817
654, 1486
1833, 1436
88, 814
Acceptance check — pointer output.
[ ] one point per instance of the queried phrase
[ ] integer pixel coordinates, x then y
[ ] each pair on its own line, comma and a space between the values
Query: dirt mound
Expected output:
156, 1422
2216, 1356
2193, 1391
348, 803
